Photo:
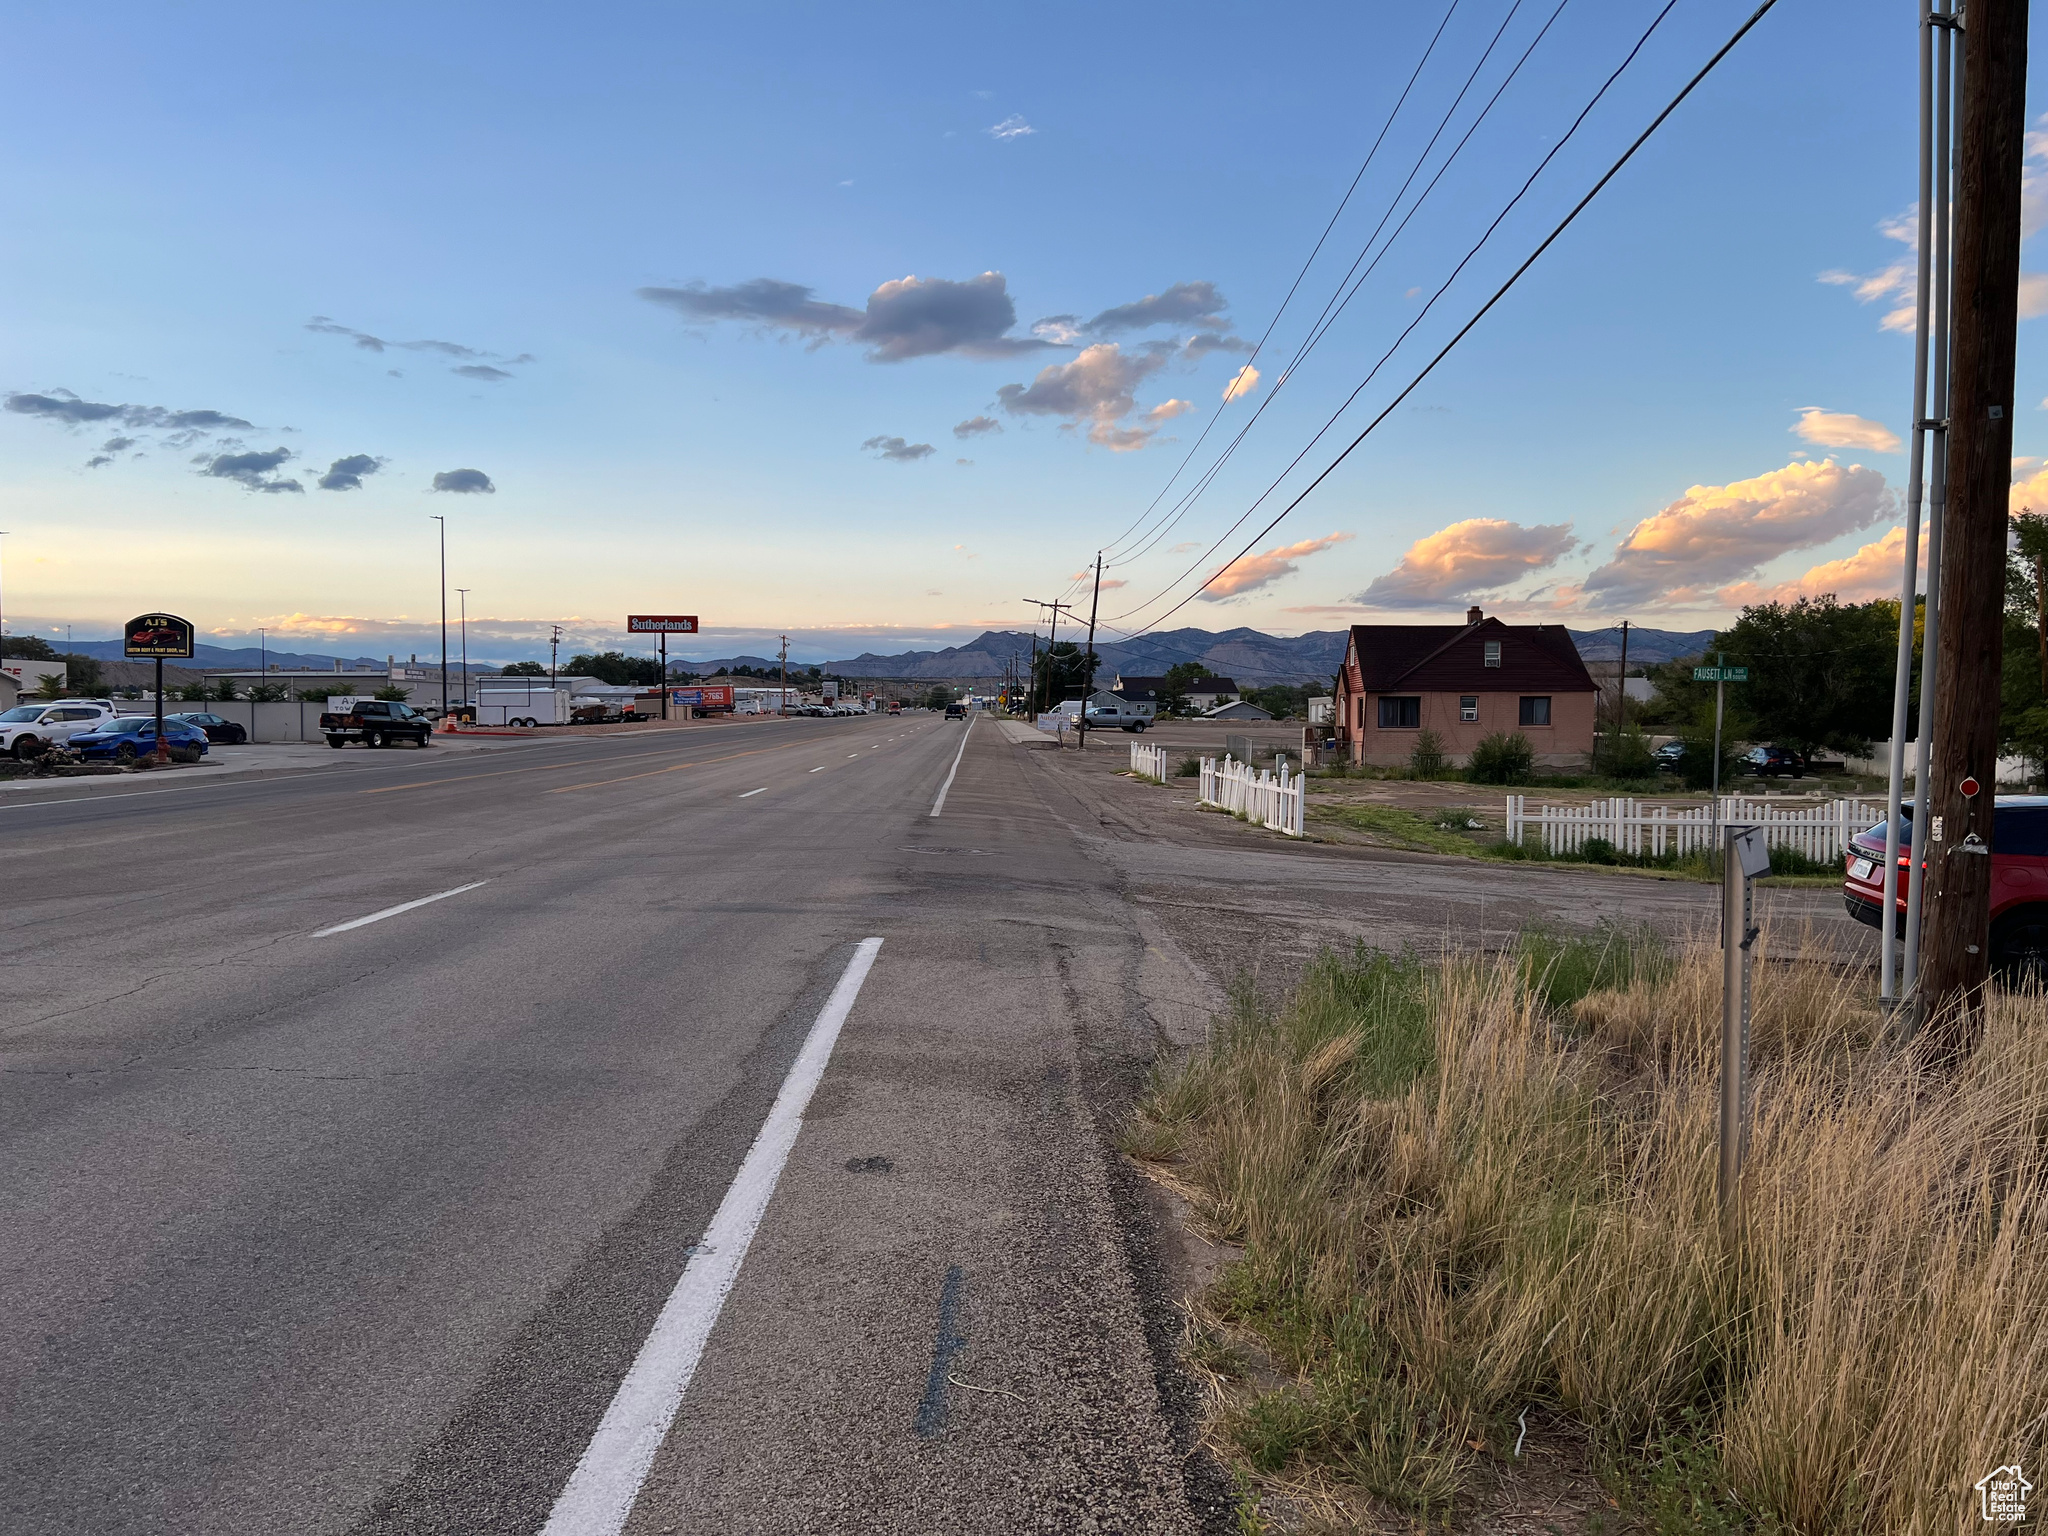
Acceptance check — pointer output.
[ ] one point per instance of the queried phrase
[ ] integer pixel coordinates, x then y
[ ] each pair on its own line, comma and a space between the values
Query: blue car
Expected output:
128, 737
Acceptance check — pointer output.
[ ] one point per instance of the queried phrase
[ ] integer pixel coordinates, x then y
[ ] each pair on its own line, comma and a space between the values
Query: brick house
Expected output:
1465, 682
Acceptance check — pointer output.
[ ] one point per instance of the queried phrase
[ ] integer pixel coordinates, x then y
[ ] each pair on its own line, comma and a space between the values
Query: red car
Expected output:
2019, 883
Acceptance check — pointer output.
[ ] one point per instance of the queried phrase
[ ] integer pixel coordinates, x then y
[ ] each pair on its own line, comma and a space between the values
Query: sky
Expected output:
868, 325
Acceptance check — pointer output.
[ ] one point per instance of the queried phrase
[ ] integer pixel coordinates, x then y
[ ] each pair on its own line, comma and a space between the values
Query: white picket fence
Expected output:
1278, 801
1820, 832
1150, 761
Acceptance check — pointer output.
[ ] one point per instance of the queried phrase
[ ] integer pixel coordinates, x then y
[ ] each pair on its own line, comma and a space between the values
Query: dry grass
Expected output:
1467, 1189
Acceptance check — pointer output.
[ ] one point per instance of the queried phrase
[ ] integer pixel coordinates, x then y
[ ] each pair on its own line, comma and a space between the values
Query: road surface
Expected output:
333, 1207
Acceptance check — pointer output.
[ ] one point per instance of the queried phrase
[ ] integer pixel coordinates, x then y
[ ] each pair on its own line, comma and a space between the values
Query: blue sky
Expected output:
189, 190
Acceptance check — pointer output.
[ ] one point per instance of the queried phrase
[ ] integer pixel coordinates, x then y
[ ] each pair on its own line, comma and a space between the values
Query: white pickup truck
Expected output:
1120, 717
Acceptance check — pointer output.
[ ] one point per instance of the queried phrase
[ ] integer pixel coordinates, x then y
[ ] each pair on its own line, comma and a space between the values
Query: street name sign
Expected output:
661, 623
1720, 674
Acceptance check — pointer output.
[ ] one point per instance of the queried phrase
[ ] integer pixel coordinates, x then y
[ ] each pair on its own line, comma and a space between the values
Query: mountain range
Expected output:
240, 658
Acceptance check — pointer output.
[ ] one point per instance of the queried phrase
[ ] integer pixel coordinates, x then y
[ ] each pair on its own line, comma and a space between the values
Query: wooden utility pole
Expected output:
1989, 160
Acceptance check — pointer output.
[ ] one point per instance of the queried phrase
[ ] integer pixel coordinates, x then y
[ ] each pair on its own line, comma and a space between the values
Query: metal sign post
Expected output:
1744, 857
1720, 677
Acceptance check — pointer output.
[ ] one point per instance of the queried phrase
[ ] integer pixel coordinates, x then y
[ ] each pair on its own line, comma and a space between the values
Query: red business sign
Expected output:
661, 623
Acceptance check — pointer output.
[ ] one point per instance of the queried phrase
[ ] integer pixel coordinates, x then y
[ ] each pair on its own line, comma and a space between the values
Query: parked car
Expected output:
2019, 882
217, 727
1113, 717
126, 737
1670, 756
1774, 762
28, 728
956, 711
374, 722
595, 714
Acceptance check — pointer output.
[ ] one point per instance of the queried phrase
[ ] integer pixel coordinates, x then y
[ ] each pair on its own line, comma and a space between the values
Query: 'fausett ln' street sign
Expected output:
1720, 674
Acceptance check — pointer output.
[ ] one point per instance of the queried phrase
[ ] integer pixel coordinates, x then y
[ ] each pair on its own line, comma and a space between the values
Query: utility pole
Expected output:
444, 611
1621, 690
1989, 162
1051, 641
1088, 655
554, 645
465, 591
783, 703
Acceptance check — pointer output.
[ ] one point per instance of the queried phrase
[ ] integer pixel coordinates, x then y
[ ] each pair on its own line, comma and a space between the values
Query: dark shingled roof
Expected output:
1451, 658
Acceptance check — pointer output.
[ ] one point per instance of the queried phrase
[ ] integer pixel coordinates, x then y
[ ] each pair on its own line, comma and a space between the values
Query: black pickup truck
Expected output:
375, 723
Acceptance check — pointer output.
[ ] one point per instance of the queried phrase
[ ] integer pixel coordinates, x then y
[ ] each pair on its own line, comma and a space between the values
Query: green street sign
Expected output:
1720, 674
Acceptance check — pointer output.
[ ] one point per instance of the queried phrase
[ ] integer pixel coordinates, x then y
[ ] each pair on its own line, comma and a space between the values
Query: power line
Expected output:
1499, 293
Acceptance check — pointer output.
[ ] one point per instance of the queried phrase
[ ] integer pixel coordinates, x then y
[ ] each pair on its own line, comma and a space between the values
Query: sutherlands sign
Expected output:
163, 635
661, 623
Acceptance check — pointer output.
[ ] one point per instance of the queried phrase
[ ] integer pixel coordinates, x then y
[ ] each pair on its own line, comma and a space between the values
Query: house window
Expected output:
1536, 711
1400, 714
1493, 653
1468, 707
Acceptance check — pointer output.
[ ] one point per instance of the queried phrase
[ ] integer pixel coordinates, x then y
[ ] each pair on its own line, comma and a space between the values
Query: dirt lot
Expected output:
1247, 903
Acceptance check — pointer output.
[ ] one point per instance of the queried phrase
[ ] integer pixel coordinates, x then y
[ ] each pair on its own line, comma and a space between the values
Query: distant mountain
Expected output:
1646, 647
246, 657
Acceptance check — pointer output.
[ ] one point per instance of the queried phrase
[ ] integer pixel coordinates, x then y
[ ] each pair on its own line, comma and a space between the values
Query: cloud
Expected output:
347, 474
1716, 534
1478, 555
2033, 295
482, 371
1874, 571
2030, 493
1060, 330
369, 343
904, 318
977, 426
1166, 410
1087, 574
1098, 387
116, 444
465, 482
252, 471
99, 459
965, 463
63, 406
1254, 571
1900, 282
1011, 127
1243, 382
897, 451
1838, 429
1202, 343
1195, 303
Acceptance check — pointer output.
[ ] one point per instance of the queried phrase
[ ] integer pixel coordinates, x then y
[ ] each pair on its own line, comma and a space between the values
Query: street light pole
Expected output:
444, 610
464, 591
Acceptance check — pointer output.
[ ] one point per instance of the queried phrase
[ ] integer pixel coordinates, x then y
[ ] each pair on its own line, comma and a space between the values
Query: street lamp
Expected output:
464, 591
444, 610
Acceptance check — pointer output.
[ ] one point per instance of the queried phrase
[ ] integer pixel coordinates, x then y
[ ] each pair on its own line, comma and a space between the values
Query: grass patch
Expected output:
1471, 1188
1398, 828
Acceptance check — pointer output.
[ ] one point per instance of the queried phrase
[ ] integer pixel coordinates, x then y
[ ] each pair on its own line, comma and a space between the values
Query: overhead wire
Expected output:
1466, 329
1340, 299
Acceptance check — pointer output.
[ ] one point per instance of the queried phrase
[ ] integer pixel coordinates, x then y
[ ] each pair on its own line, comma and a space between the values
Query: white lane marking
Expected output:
378, 917
819, 769
940, 803
753, 792
601, 1491
851, 755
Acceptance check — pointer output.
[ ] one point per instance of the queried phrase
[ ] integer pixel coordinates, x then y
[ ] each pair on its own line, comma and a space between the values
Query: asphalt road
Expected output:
315, 1225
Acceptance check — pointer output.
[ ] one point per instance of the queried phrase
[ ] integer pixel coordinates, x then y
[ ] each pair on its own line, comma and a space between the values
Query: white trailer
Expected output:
539, 705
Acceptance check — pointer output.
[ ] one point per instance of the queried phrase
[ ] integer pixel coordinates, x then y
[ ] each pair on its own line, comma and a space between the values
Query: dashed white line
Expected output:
819, 769
940, 803
752, 792
405, 906
601, 1491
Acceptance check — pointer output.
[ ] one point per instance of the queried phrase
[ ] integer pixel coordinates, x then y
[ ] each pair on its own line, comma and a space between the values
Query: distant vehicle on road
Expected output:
895, 709
1117, 717
956, 711
1670, 755
127, 737
218, 728
2019, 883
28, 728
376, 723
1773, 762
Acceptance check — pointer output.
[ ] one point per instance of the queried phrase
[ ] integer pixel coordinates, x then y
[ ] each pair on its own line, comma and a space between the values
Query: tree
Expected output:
1059, 671
194, 692
270, 693
1173, 689
390, 694
224, 689
1282, 701
2023, 678
83, 672
1820, 674
50, 686
938, 696
523, 669
26, 648
617, 669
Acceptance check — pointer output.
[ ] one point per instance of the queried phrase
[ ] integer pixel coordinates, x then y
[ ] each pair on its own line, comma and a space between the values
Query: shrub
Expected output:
1428, 757
224, 689
1457, 818
194, 693
269, 693
1505, 757
390, 695
1598, 850
1626, 756
1189, 767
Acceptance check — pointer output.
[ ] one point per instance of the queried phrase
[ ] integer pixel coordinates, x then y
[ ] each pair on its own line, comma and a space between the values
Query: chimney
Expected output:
1473, 616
